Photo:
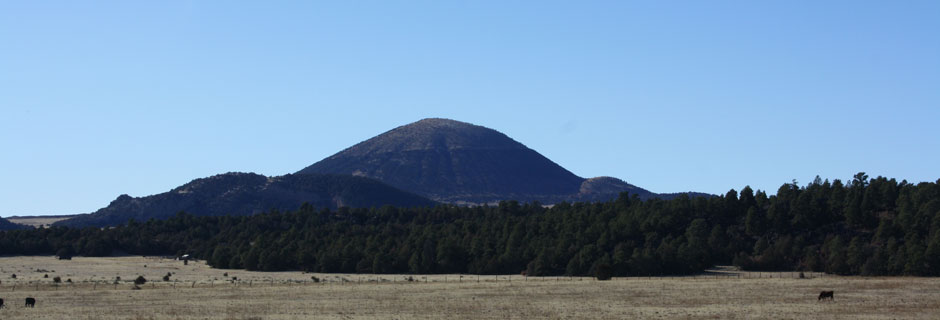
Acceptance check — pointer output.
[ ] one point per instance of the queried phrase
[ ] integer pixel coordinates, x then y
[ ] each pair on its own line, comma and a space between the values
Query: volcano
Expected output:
462, 163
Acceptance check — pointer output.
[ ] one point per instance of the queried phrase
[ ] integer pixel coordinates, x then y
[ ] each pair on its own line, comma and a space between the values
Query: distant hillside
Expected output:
249, 193
454, 162
457, 162
7, 225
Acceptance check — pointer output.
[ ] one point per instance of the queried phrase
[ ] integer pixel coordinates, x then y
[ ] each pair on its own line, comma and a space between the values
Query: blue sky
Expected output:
139, 97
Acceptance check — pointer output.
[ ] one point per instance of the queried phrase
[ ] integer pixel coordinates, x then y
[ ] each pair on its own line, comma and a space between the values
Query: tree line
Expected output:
864, 226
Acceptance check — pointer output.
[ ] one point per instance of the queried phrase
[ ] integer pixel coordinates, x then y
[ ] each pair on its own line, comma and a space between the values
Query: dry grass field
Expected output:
196, 291
38, 221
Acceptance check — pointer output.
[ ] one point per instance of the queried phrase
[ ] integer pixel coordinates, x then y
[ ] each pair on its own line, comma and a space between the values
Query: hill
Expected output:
249, 193
7, 225
457, 162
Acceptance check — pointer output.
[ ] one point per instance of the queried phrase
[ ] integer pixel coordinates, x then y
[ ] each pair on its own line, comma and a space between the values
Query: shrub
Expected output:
13, 276
57, 279
315, 279
166, 278
140, 280
45, 276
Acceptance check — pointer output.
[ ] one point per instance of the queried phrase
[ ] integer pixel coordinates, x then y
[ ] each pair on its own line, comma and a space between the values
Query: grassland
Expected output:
38, 221
197, 291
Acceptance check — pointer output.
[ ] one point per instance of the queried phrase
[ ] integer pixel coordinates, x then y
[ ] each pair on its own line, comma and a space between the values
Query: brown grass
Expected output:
38, 221
197, 291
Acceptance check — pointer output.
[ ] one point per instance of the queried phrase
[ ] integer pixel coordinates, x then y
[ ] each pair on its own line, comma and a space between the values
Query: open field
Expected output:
196, 291
38, 221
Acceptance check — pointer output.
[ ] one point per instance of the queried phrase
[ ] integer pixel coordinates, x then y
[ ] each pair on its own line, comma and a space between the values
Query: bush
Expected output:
604, 272
13, 276
140, 280
166, 278
57, 279
46, 276
315, 279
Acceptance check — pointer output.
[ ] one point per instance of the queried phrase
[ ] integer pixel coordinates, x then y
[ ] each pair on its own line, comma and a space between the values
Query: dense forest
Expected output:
865, 226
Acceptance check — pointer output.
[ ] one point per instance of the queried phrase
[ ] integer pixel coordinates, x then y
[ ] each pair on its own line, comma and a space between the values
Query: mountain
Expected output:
249, 193
7, 225
461, 163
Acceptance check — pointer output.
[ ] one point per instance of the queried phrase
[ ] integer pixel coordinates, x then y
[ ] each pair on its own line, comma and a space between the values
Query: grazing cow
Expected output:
825, 294
30, 302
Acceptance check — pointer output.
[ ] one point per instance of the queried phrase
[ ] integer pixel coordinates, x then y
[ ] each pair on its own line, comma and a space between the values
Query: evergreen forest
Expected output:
861, 227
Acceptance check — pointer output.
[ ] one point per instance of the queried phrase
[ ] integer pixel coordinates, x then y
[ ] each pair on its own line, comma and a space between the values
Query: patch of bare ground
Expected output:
197, 291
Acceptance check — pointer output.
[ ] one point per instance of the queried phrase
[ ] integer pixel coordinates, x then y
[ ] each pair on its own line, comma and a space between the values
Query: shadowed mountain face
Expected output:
249, 193
7, 225
452, 161
445, 160
462, 163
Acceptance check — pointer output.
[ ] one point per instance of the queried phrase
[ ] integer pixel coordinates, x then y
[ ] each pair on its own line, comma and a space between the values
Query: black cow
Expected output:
825, 294
30, 302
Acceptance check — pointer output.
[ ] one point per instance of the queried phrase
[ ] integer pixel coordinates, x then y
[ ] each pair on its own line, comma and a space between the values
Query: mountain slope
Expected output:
452, 161
7, 225
457, 162
249, 193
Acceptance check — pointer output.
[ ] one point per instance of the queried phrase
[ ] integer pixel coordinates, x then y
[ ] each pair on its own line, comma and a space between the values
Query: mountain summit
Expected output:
463, 163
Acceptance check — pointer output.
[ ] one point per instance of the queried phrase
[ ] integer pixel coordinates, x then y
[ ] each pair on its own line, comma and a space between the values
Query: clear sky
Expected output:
138, 97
